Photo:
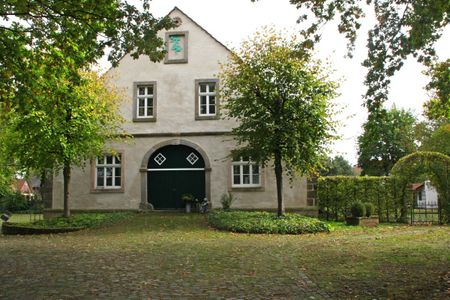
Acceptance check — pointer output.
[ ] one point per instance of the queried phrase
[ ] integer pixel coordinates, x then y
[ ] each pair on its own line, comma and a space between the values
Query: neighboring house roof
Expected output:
416, 186
21, 186
34, 182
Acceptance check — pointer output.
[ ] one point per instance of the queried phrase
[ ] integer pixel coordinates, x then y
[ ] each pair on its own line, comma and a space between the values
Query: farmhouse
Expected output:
181, 144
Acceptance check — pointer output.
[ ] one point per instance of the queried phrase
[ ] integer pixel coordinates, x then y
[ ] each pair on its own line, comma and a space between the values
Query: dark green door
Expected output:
173, 171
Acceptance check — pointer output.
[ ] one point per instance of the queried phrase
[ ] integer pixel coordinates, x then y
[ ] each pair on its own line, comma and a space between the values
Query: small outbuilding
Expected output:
425, 195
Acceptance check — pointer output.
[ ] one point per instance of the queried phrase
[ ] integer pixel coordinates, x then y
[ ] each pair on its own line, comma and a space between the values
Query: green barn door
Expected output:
172, 172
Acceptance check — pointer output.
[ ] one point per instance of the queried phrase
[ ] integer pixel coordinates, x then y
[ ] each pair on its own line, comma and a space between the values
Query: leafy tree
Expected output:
281, 101
337, 165
438, 141
385, 140
403, 28
63, 126
54, 114
437, 109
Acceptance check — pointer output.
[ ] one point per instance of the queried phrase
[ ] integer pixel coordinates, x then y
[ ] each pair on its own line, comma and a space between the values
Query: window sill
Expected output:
247, 189
152, 119
107, 191
212, 117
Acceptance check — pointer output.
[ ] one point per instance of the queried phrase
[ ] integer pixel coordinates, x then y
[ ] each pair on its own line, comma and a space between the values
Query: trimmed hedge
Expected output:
265, 222
62, 224
336, 194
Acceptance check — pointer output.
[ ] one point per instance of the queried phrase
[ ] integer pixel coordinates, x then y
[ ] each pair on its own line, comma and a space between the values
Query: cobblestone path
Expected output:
142, 259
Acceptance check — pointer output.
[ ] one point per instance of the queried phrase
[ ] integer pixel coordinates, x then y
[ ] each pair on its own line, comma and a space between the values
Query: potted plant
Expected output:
188, 200
362, 215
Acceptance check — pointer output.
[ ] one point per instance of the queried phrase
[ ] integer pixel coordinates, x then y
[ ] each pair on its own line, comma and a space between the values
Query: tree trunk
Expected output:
66, 176
279, 179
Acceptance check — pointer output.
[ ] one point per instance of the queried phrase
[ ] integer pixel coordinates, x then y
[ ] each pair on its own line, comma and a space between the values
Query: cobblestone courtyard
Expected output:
167, 256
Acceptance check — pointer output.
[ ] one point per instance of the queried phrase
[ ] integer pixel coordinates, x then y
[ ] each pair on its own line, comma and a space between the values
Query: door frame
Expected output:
144, 169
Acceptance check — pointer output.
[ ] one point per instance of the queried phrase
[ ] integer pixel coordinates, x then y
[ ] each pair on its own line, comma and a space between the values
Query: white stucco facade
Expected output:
175, 123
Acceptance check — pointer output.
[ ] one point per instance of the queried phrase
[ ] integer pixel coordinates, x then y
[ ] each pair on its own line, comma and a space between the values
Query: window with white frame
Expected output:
144, 101
206, 99
108, 172
245, 173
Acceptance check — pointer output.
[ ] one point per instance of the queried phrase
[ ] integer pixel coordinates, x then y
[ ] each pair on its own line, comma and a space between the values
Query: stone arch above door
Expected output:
149, 153
143, 168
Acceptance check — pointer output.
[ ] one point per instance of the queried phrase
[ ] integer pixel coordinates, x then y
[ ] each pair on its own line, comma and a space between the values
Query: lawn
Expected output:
165, 255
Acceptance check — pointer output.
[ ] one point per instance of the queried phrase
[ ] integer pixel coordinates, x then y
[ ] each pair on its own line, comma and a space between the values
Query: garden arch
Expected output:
431, 165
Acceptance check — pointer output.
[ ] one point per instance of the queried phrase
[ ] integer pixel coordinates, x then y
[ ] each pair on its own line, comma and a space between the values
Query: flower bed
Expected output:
265, 222
61, 224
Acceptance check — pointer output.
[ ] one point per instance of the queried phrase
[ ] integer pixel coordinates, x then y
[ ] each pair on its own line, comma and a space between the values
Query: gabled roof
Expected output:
203, 29
416, 186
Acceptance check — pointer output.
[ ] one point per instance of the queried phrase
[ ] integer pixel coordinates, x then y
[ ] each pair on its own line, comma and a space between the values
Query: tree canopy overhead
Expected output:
78, 32
281, 100
437, 108
403, 28
88, 26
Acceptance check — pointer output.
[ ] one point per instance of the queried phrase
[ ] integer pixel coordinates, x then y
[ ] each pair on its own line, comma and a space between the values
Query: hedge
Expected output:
336, 194
265, 222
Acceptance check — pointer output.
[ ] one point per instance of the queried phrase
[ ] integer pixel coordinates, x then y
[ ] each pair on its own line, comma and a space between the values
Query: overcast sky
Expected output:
231, 21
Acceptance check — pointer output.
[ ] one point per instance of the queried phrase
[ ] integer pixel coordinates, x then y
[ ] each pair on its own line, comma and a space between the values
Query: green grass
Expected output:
174, 255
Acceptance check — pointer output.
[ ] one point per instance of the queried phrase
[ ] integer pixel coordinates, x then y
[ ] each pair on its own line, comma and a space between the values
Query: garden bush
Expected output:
265, 222
226, 200
370, 209
62, 224
14, 202
358, 210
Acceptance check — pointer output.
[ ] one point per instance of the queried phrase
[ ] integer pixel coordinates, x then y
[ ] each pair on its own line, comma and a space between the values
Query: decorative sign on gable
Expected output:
177, 47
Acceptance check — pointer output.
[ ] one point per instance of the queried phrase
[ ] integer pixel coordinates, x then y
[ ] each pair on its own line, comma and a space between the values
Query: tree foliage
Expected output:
281, 101
385, 140
437, 109
438, 141
64, 126
402, 28
53, 113
337, 165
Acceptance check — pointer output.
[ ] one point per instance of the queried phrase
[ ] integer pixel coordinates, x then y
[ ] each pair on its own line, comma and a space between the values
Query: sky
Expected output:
232, 21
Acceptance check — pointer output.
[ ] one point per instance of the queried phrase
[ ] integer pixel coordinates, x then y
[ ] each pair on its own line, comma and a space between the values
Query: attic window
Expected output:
176, 47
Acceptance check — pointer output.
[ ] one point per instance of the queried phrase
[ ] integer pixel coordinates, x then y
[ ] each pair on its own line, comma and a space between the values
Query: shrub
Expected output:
227, 200
87, 220
265, 222
370, 209
14, 202
358, 209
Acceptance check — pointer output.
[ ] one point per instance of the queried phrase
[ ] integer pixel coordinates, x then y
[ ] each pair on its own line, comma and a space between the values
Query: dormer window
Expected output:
144, 94
206, 102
